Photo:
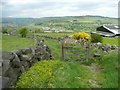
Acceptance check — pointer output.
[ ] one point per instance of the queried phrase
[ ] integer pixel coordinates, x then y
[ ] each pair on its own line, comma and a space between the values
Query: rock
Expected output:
18, 52
25, 58
46, 56
10, 73
25, 64
0, 71
5, 66
114, 47
26, 51
5, 82
0, 63
7, 56
22, 69
96, 55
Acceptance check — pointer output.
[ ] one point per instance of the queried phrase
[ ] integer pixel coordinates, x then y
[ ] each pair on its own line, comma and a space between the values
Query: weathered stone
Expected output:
25, 57
0, 63
22, 69
18, 52
27, 50
7, 56
35, 60
46, 56
5, 66
10, 73
5, 82
15, 63
96, 55
0, 71
25, 64
113, 47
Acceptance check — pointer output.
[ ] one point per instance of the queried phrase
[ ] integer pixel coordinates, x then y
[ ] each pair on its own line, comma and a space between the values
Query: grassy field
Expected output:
111, 41
10, 43
109, 63
55, 47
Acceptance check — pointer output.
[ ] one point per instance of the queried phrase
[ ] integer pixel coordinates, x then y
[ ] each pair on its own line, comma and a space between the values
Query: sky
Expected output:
55, 8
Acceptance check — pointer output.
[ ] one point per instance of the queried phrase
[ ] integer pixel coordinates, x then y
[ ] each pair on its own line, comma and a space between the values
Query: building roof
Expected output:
112, 28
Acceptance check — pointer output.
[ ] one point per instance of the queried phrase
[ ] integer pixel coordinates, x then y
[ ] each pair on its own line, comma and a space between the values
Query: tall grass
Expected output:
109, 63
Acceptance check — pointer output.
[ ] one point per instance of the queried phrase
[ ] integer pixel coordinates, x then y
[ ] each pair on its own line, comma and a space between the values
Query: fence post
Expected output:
63, 51
87, 51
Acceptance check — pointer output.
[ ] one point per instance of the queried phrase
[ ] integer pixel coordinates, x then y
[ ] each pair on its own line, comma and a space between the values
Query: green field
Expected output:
11, 43
111, 41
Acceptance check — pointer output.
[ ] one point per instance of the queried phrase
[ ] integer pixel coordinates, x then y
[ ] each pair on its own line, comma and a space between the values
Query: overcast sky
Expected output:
48, 8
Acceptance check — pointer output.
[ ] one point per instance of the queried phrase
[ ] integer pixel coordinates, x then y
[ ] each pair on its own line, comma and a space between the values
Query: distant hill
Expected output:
75, 23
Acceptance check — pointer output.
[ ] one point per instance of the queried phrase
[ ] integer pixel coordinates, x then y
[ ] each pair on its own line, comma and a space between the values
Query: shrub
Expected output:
81, 36
23, 32
40, 75
96, 38
37, 30
4, 30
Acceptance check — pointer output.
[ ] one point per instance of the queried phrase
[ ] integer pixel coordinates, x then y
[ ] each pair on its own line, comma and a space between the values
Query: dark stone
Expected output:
10, 73
46, 56
18, 52
5, 82
0, 71
15, 63
7, 56
96, 55
26, 51
25, 57
22, 69
25, 64
113, 47
5, 66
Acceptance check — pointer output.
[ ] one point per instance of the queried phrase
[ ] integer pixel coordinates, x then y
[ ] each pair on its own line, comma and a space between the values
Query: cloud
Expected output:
47, 8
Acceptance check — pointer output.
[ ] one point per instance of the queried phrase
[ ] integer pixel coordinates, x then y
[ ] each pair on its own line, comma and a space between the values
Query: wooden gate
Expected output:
75, 50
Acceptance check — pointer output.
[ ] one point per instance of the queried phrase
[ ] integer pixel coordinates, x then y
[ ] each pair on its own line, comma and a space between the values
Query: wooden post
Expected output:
87, 51
63, 51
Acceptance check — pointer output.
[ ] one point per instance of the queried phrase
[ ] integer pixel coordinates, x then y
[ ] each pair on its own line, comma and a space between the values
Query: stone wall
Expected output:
16, 62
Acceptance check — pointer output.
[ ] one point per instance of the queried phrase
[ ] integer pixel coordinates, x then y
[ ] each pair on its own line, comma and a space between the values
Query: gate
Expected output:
75, 50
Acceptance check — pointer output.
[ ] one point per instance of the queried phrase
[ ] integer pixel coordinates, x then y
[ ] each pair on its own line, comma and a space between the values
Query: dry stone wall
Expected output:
15, 63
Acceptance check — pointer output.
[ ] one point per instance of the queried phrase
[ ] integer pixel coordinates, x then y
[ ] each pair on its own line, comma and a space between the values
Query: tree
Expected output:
23, 32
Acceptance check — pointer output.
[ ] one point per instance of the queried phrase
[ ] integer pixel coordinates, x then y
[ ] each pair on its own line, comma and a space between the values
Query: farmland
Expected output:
56, 73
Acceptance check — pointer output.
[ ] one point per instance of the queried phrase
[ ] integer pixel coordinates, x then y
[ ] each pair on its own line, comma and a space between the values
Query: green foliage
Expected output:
23, 32
96, 38
41, 75
10, 43
109, 63
4, 30
38, 30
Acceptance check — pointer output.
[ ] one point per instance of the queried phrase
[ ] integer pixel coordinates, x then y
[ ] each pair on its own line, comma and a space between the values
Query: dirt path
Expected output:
95, 80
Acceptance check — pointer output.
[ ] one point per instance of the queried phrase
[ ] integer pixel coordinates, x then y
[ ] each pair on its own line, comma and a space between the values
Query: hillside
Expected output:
60, 24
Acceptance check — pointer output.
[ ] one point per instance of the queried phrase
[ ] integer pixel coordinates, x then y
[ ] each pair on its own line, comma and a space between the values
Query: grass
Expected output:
56, 35
55, 74
55, 47
109, 63
111, 41
11, 43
